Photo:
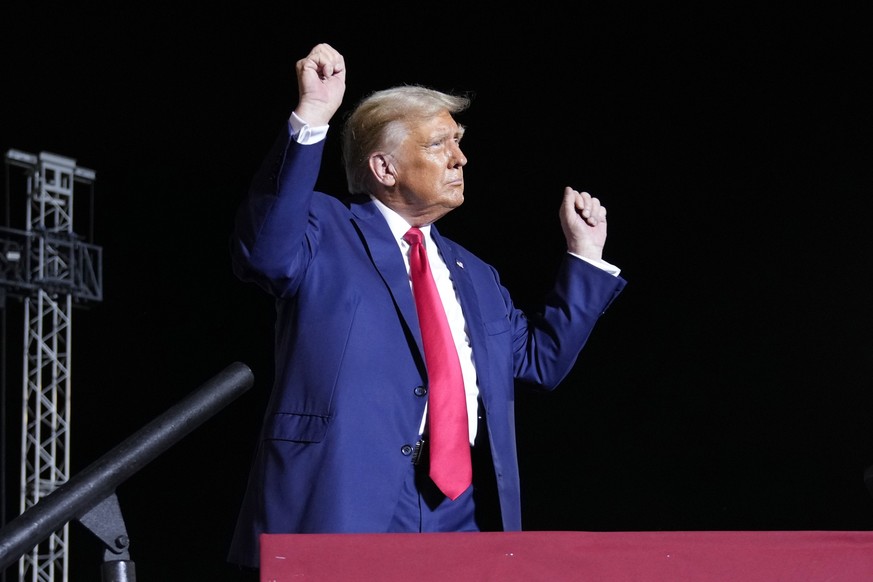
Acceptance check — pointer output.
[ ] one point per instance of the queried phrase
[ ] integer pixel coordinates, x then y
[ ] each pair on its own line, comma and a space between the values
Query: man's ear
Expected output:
383, 169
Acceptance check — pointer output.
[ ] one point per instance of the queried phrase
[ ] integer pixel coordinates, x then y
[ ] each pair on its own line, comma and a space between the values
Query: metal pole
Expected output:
89, 488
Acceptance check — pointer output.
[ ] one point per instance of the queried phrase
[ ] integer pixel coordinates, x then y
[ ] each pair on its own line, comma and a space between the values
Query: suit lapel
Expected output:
467, 296
385, 254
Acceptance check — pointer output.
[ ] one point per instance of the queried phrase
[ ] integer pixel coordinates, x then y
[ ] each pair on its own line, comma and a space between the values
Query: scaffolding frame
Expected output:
50, 267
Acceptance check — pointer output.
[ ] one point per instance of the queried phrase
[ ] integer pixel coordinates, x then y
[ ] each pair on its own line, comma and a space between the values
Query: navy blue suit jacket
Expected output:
344, 409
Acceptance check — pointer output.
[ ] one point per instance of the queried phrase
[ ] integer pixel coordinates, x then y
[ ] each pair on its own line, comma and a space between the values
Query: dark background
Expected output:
729, 386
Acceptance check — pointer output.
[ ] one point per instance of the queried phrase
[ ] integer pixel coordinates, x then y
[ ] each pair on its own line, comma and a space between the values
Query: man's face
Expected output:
429, 169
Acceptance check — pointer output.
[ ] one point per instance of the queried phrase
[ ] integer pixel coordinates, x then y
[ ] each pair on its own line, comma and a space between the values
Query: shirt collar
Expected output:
397, 223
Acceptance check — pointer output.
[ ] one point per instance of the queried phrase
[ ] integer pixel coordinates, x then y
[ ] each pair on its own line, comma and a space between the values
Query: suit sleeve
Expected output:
274, 232
548, 342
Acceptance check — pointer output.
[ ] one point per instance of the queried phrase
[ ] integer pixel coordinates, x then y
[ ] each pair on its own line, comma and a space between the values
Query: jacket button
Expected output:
406, 450
420, 390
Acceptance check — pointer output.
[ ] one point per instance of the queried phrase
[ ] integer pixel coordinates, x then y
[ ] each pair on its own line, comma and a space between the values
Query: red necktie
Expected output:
449, 437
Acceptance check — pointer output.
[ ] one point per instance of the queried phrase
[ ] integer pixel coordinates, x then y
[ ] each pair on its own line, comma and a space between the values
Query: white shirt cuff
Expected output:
600, 264
305, 134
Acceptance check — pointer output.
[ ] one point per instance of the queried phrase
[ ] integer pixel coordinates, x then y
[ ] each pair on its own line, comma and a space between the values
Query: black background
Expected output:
729, 386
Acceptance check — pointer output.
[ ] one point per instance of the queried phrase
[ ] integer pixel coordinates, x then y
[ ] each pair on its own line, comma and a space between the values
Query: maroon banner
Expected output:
698, 556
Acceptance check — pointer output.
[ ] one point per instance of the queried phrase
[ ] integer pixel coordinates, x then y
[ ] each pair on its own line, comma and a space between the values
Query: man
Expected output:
345, 445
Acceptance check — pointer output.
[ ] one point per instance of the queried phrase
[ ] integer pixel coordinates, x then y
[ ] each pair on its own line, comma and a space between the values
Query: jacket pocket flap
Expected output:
497, 326
304, 428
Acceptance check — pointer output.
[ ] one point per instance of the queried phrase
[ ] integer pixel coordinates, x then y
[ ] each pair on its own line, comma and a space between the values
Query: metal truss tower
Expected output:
50, 268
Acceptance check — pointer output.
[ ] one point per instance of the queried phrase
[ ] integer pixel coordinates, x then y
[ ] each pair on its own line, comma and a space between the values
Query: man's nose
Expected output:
458, 157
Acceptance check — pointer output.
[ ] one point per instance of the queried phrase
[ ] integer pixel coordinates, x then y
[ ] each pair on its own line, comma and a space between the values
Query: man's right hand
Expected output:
321, 83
